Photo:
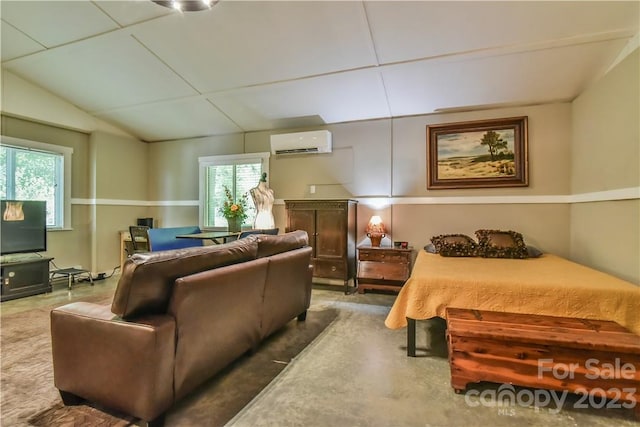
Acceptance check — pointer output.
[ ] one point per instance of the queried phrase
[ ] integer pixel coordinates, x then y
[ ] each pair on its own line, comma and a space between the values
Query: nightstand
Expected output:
383, 268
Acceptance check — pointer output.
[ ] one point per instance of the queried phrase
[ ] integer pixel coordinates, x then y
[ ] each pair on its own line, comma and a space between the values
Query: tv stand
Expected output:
22, 278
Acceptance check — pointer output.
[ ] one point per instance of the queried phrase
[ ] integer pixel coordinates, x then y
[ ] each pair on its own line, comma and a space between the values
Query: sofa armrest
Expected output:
123, 365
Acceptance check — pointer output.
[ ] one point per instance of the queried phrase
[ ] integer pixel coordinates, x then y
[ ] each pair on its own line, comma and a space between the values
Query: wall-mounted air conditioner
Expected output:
318, 141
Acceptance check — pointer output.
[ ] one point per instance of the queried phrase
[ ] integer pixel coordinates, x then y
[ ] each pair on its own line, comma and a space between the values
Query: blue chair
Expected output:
246, 233
163, 239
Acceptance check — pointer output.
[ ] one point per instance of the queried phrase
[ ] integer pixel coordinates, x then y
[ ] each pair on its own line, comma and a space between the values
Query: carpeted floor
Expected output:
27, 372
29, 397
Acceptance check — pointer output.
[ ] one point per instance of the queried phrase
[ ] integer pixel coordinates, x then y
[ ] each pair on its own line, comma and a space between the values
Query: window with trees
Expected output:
239, 173
36, 171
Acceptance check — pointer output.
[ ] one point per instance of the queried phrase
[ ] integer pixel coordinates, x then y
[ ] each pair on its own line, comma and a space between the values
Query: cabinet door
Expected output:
304, 219
331, 233
25, 278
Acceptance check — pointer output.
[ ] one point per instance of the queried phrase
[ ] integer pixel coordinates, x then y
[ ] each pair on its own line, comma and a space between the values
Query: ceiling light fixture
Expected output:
187, 5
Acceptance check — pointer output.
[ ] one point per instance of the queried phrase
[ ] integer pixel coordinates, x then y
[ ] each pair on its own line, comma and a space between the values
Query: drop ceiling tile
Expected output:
237, 44
537, 76
105, 72
130, 12
422, 29
269, 65
15, 43
52, 23
173, 120
341, 97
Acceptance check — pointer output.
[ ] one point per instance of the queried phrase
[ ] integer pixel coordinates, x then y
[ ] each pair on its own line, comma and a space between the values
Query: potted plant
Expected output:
235, 211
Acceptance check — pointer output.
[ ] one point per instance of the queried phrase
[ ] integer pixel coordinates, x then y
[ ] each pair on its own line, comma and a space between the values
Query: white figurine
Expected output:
263, 199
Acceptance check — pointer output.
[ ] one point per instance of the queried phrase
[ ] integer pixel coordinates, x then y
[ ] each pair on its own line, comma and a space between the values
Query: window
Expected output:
239, 173
36, 171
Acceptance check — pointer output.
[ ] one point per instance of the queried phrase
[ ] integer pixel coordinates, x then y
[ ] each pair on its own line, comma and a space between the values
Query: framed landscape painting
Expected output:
479, 154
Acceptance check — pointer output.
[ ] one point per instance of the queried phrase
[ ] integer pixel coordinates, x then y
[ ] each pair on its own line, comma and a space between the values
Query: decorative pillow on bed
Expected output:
431, 248
501, 244
533, 252
454, 245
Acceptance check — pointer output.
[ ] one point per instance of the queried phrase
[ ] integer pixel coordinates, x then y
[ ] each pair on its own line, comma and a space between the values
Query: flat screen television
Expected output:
23, 227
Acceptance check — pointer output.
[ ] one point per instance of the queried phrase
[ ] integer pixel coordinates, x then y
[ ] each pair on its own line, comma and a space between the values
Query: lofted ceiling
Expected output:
260, 65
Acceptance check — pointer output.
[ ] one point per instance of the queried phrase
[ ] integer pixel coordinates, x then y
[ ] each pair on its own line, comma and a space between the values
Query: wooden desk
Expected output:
217, 237
124, 237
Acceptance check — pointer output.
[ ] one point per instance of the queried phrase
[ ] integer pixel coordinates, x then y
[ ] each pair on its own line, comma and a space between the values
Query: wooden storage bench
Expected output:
582, 356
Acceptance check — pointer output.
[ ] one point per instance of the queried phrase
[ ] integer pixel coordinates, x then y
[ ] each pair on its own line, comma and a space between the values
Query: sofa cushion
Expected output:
270, 245
147, 278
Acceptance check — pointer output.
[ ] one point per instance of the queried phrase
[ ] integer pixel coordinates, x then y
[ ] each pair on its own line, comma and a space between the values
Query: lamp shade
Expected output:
376, 230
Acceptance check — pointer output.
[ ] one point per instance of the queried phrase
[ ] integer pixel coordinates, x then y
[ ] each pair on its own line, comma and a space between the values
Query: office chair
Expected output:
139, 238
164, 239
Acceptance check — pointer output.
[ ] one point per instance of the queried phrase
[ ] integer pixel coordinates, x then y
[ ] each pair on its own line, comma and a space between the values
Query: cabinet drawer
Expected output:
388, 256
398, 272
329, 268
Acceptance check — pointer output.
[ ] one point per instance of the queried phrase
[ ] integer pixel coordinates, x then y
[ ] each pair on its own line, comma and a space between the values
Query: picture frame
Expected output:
478, 154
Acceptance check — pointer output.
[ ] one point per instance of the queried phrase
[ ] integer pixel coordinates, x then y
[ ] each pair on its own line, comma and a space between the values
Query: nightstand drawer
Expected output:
384, 256
329, 269
394, 272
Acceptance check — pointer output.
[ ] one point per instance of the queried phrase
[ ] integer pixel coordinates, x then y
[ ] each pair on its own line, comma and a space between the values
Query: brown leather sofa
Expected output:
178, 317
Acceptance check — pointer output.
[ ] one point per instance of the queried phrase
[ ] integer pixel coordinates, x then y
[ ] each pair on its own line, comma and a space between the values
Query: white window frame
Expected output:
228, 159
67, 154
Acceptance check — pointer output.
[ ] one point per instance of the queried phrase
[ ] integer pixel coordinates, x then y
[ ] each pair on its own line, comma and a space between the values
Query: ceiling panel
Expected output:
425, 29
529, 77
258, 65
16, 43
355, 95
173, 120
130, 12
52, 23
237, 44
104, 72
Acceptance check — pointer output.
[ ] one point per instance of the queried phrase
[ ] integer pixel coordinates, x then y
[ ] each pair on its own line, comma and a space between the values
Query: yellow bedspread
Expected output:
548, 285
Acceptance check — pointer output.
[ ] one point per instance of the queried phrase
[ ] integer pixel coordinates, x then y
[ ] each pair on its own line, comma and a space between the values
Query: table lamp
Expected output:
376, 230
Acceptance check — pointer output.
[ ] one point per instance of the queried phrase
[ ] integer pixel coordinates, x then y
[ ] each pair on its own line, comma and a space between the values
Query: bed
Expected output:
548, 285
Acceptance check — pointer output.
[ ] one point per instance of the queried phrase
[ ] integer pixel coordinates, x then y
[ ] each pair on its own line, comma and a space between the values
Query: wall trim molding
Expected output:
122, 202
631, 193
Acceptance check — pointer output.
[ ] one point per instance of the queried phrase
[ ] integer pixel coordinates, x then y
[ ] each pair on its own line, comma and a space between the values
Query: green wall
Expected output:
582, 147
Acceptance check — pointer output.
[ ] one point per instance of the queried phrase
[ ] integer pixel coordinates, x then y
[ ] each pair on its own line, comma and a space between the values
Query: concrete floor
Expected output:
356, 373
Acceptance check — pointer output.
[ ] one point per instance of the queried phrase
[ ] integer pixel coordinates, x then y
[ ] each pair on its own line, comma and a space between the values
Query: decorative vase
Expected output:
234, 225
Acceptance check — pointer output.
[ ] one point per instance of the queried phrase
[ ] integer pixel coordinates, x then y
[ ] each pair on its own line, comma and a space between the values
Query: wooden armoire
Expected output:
331, 225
